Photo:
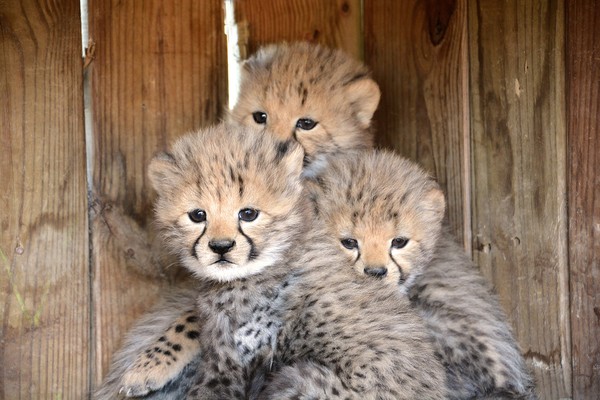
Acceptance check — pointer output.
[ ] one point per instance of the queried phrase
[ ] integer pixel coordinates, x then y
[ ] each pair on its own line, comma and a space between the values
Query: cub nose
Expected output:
221, 246
376, 271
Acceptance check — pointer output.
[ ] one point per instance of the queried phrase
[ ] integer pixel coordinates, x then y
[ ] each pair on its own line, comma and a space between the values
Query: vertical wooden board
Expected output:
418, 51
583, 102
44, 284
518, 165
159, 70
333, 23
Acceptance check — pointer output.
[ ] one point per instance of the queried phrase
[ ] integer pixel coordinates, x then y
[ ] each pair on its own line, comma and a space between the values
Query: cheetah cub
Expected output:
375, 205
320, 97
230, 207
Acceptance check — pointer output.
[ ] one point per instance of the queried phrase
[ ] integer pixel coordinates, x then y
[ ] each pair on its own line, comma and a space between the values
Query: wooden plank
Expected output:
516, 52
159, 70
583, 108
332, 23
44, 284
418, 52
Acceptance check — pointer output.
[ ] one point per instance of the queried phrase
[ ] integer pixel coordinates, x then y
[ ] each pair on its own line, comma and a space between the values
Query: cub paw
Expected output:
149, 373
166, 360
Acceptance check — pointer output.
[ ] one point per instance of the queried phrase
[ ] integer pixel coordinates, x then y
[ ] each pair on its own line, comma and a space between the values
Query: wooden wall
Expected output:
44, 283
500, 100
583, 188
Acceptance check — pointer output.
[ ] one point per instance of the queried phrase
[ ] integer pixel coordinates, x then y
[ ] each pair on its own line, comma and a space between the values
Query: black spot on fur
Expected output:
193, 335
176, 347
225, 381
179, 328
212, 383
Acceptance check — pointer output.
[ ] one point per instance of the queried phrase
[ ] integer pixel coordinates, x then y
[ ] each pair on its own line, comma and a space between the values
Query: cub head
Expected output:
320, 97
229, 200
385, 212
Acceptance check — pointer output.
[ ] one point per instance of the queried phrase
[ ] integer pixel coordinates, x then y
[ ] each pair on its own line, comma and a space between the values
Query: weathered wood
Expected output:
417, 51
583, 99
44, 269
332, 23
518, 144
159, 71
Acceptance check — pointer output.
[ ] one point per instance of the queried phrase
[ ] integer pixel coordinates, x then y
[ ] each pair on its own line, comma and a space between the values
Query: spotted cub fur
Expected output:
379, 206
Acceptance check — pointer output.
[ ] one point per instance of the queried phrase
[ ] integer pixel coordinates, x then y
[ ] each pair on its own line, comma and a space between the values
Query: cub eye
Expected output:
260, 117
197, 215
248, 214
399, 242
306, 124
350, 243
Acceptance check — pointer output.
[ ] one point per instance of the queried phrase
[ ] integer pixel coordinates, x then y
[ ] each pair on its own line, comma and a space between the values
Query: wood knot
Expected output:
345, 7
439, 13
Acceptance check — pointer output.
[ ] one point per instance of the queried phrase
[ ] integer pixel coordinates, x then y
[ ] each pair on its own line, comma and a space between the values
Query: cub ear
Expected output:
364, 96
262, 59
435, 202
161, 171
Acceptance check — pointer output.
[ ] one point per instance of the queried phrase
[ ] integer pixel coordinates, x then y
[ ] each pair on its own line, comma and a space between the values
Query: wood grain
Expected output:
159, 71
518, 162
334, 23
44, 284
417, 50
583, 99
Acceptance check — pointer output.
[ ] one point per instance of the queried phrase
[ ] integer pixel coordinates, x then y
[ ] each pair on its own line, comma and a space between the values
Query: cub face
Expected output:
319, 97
385, 212
229, 200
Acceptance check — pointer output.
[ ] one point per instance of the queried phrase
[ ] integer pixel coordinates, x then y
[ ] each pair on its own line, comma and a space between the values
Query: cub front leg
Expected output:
220, 377
165, 359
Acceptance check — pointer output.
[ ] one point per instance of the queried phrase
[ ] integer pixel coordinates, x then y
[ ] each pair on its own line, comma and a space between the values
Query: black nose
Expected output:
221, 246
376, 271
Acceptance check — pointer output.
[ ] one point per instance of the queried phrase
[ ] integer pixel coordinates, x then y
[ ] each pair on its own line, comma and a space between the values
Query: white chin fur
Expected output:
230, 272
